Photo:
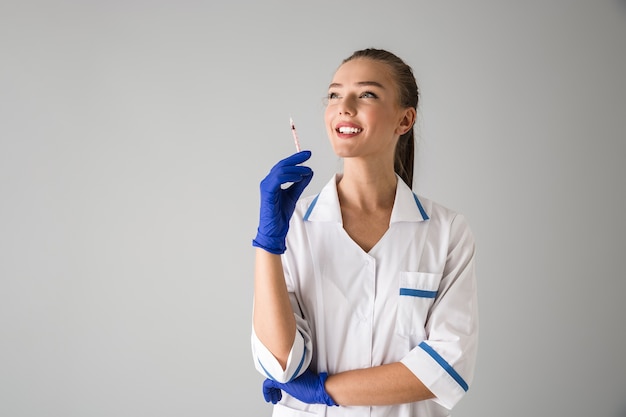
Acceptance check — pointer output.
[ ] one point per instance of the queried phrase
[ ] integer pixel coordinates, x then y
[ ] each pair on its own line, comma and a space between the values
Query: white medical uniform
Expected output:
411, 298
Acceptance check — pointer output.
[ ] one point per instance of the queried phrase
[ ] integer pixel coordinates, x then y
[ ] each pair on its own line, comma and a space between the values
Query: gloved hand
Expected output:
308, 388
278, 204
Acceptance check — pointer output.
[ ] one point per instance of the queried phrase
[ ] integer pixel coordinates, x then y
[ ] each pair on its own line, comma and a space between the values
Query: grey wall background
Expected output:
133, 135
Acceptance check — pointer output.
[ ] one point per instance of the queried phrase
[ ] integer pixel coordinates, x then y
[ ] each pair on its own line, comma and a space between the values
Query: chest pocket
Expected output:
416, 294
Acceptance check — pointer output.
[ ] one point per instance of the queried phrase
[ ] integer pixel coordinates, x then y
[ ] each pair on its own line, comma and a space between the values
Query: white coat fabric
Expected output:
412, 298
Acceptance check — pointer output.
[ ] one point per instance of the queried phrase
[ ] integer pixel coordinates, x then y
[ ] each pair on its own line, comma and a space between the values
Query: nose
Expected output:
347, 106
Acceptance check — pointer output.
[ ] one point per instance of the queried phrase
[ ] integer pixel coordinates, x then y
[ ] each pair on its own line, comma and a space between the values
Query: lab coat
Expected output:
412, 298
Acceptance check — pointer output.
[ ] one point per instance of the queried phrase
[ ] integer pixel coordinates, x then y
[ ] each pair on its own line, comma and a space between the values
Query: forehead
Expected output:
364, 69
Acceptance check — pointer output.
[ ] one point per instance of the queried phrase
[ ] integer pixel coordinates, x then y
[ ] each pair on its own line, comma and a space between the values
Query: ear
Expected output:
407, 121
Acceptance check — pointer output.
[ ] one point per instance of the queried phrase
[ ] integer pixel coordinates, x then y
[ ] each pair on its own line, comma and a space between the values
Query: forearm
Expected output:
273, 319
380, 385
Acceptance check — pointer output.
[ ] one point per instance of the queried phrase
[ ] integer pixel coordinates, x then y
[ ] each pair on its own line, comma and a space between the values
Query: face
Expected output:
363, 116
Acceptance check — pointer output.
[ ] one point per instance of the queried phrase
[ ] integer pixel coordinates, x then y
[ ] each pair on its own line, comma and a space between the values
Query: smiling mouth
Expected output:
349, 130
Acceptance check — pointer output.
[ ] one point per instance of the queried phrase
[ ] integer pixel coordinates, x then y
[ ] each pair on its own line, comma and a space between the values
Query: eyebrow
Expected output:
360, 83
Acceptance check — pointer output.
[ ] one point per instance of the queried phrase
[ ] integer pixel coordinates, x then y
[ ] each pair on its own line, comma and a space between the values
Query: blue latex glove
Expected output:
308, 388
278, 204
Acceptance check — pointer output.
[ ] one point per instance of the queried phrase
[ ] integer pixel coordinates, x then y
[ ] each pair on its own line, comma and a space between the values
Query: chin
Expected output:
342, 152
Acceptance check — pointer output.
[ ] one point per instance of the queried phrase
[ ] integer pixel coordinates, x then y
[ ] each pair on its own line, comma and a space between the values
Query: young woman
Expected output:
365, 294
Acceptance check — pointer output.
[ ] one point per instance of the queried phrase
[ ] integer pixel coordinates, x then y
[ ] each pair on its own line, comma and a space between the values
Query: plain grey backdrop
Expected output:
133, 136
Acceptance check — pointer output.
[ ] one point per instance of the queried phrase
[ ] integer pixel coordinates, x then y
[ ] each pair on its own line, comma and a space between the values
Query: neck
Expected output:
368, 186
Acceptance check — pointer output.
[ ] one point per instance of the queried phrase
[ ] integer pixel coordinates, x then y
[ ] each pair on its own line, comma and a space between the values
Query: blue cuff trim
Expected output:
418, 293
445, 365
310, 209
265, 370
295, 374
421, 209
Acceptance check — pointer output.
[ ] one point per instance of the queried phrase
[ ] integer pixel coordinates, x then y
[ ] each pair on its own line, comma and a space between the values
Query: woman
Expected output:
364, 295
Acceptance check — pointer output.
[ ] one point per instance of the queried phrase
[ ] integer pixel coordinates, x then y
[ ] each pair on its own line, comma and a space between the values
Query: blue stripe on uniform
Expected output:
418, 293
310, 209
445, 365
421, 209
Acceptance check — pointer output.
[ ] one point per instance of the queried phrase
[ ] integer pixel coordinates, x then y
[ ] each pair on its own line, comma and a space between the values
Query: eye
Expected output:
332, 95
368, 94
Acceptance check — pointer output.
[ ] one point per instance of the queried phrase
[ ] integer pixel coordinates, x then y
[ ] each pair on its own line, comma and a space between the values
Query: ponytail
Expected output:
405, 157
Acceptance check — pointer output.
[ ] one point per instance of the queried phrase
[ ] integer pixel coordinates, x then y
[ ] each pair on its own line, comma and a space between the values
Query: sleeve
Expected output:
444, 362
299, 356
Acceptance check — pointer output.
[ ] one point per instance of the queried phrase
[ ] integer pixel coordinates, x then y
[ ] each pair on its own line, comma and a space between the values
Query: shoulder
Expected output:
435, 210
442, 215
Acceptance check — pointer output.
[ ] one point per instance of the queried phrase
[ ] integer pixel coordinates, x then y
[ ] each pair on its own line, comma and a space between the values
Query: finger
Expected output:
267, 391
298, 186
290, 169
277, 395
272, 395
280, 175
293, 174
283, 175
295, 159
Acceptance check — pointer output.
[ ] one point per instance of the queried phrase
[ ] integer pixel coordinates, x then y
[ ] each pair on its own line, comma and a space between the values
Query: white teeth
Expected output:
348, 130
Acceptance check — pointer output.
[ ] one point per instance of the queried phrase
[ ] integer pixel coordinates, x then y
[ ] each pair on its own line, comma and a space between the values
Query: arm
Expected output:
273, 319
380, 385
274, 325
